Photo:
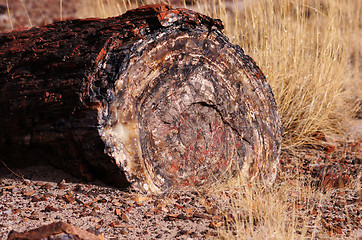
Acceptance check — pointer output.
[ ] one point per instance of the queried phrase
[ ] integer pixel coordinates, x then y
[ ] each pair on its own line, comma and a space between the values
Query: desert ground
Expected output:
317, 193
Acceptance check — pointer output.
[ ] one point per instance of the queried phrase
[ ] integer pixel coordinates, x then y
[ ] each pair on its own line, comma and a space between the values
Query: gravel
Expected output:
43, 195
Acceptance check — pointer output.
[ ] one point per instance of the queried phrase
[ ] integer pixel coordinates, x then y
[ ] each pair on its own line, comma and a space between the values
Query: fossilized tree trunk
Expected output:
155, 98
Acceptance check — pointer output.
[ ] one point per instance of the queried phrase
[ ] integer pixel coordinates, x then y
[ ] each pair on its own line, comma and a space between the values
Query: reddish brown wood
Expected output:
56, 230
155, 98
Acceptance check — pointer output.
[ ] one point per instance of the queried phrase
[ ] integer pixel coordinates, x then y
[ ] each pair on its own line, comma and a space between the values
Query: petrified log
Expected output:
155, 98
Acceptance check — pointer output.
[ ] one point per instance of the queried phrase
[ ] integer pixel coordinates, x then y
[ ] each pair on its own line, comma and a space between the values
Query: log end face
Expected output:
188, 108
188, 112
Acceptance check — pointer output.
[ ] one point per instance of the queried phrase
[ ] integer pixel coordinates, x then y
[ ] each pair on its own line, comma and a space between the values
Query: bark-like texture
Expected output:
155, 98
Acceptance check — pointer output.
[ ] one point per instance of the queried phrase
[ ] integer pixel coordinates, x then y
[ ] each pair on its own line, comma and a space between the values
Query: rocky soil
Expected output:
37, 196
336, 171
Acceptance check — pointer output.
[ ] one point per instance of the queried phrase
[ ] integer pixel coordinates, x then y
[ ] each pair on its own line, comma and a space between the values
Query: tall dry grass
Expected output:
270, 213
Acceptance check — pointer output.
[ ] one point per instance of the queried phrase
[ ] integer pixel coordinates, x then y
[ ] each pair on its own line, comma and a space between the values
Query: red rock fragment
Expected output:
43, 198
338, 230
83, 214
50, 208
87, 206
329, 148
216, 224
46, 186
201, 215
139, 204
117, 211
68, 198
93, 213
179, 206
160, 207
27, 182
171, 217
35, 198
29, 193
216, 218
183, 232
129, 209
320, 136
124, 217
57, 230
183, 217
139, 199
102, 200
34, 215
78, 188
118, 224
212, 210
189, 211
61, 185
16, 210
334, 179
116, 203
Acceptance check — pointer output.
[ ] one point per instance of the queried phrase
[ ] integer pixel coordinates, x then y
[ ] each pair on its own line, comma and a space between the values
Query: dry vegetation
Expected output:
304, 49
311, 53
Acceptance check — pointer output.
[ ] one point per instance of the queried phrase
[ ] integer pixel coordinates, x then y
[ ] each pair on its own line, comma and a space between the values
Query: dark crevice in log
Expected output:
223, 119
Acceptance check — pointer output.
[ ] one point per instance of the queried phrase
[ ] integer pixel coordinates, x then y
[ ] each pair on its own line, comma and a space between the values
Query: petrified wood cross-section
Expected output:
155, 98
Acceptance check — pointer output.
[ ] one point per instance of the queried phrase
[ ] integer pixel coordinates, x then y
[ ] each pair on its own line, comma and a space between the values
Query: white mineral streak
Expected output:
124, 137
207, 90
169, 19
119, 155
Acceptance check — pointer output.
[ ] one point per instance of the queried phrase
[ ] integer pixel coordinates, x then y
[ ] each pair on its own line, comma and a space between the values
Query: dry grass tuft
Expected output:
263, 213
